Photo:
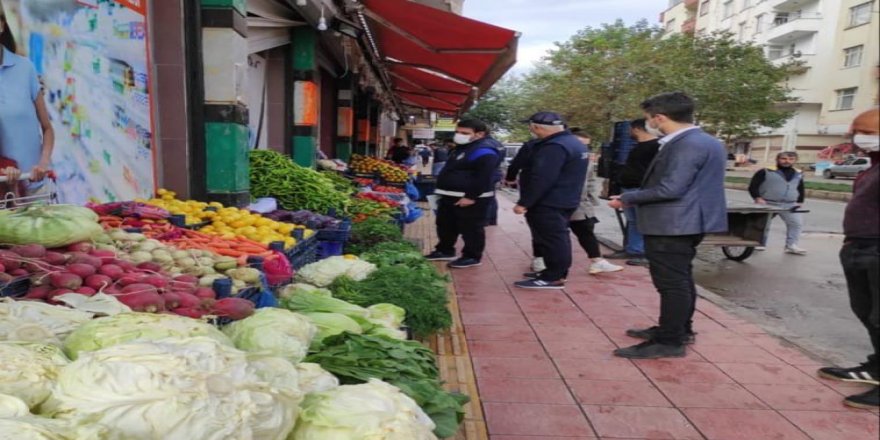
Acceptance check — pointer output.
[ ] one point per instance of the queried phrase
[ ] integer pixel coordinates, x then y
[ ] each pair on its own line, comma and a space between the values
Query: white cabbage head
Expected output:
370, 411
32, 321
275, 332
193, 388
314, 379
29, 370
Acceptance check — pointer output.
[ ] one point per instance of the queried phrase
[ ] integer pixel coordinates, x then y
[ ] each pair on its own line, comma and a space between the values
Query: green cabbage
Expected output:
277, 332
29, 371
391, 315
330, 324
388, 332
291, 289
193, 388
124, 327
324, 272
374, 410
314, 379
307, 302
50, 225
32, 321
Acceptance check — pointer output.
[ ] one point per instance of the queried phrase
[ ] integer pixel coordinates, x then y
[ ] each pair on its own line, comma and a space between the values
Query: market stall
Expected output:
165, 318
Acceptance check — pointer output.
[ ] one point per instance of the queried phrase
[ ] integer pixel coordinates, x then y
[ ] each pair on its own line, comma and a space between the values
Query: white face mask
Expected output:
867, 142
653, 131
461, 139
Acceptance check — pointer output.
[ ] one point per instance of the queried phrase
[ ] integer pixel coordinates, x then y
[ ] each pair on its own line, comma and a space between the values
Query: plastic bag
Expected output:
277, 269
411, 191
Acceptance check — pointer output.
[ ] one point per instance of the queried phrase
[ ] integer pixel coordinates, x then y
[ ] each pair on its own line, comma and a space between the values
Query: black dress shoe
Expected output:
863, 373
650, 332
651, 350
868, 400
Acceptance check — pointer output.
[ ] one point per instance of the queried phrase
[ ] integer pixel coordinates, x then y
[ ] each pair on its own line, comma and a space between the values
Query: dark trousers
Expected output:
468, 222
493, 211
861, 266
550, 236
671, 265
583, 230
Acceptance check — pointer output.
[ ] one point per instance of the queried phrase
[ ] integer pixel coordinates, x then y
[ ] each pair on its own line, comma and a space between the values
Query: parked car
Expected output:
850, 168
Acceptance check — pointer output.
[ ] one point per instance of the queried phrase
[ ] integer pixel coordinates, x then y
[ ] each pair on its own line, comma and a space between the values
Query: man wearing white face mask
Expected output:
860, 258
465, 186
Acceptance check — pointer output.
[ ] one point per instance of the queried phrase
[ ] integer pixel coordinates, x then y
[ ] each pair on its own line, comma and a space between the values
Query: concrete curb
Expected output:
811, 193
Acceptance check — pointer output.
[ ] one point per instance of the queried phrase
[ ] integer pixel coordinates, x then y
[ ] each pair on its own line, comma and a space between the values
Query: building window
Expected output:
742, 31
774, 52
759, 24
670, 25
846, 98
780, 19
747, 4
860, 14
853, 56
728, 8
704, 7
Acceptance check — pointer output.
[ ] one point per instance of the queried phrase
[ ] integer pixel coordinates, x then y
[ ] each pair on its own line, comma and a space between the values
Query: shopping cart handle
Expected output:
27, 176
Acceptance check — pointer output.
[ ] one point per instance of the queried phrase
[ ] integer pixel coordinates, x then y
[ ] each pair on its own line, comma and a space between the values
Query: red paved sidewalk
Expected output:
545, 370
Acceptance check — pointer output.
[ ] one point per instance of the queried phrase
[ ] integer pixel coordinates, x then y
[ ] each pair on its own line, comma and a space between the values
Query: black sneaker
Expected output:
540, 284
649, 333
868, 400
651, 350
462, 263
641, 261
861, 374
439, 256
620, 255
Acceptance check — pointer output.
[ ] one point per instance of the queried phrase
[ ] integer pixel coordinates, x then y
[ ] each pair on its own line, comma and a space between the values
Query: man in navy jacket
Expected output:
681, 199
549, 194
466, 187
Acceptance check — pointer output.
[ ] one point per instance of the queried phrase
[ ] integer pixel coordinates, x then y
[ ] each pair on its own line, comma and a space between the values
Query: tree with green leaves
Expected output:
601, 75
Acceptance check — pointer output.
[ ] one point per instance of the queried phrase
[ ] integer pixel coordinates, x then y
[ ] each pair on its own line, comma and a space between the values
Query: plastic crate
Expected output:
328, 249
16, 288
339, 234
304, 253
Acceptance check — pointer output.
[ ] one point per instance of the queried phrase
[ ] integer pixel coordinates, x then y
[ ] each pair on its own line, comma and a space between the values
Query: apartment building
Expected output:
837, 42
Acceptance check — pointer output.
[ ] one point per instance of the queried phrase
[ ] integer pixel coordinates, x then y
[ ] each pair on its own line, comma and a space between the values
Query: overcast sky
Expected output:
542, 22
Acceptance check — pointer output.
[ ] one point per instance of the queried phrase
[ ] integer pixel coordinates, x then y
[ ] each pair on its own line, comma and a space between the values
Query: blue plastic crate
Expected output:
339, 234
305, 252
329, 249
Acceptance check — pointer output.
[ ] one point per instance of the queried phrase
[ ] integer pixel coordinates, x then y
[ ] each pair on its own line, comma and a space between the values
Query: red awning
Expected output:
435, 54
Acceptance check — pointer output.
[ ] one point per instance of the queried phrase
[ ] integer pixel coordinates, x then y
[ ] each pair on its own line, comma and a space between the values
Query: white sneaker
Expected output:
538, 265
794, 249
603, 266
761, 248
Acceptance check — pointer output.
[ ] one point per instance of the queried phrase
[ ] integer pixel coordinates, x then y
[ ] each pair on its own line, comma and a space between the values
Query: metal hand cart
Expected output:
748, 227
12, 199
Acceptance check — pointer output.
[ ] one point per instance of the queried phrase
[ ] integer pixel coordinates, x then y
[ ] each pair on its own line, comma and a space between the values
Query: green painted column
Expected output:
306, 96
224, 56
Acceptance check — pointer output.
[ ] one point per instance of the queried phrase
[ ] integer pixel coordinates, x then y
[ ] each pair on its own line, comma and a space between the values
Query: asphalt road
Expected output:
800, 298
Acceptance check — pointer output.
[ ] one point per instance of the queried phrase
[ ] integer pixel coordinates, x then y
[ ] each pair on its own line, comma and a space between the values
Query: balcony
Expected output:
792, 27
692, 4
689, 26
790, 5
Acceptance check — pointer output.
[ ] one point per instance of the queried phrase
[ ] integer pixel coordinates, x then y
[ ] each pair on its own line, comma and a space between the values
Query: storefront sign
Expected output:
444, 124
305, 103
92, 59
423, 133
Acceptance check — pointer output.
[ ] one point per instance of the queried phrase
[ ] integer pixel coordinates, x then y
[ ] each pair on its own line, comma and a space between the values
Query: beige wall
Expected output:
676, 15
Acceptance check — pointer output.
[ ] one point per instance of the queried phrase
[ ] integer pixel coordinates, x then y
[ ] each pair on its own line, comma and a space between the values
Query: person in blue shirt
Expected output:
26, 135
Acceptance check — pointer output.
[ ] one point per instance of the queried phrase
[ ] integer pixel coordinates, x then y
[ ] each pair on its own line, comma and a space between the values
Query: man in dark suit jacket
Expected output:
681, 199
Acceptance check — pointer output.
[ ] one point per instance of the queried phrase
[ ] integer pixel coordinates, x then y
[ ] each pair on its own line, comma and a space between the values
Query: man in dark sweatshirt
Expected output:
860, 258
466, 188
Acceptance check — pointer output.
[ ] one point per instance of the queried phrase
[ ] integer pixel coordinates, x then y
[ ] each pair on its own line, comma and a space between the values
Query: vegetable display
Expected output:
388, 170
50, 226
295, 187
314, 379
178, 389
275, 332
29, 370
322, 273
374, 410
369, 233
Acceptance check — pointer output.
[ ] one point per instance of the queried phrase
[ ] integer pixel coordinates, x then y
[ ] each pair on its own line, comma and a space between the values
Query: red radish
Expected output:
19, 273
9, 259
150, 302
85, 290
150, 267
139, 287
65, 280
205, 293
79, 257
233, 308
29, 250
186, 279
34, 267
131, 278
80, 247
39, 292
55, 258
112, 290
98, 281
187, 300
189, 312
172, 300
2, 268
104, 255
157, 281
5, 277
206, 304
112, 271
81, 269
127, 266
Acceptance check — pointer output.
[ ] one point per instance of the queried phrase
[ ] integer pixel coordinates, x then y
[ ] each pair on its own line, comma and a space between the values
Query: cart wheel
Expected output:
737, 253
